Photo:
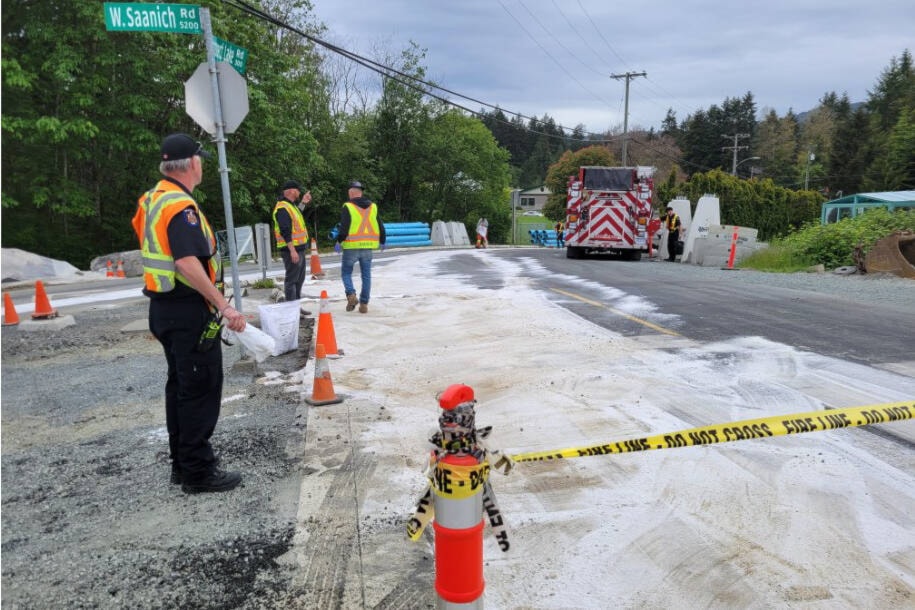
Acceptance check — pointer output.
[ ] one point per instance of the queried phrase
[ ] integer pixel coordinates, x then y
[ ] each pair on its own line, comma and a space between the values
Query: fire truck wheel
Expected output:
573, 252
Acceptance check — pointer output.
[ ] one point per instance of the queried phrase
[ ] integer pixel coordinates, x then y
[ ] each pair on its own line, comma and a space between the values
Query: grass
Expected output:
778, 259
831, 245
264, 283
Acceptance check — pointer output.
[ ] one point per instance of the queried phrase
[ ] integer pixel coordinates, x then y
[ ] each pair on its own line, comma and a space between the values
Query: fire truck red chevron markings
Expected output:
622, 314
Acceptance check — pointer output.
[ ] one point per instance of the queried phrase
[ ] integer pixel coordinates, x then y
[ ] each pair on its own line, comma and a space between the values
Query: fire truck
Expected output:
608, 210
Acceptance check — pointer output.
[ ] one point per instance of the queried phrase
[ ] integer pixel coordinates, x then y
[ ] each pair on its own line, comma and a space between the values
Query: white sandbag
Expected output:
281, 321
256, 341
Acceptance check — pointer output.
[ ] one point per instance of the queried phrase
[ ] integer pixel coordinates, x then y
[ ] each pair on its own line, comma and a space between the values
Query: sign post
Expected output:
191, 19
221, 151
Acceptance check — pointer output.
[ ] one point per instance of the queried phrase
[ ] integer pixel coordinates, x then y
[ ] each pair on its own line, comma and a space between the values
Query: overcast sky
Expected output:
556, 56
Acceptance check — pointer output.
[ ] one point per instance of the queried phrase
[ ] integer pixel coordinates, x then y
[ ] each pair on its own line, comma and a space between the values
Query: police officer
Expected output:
291, 236
180, 267
673, 233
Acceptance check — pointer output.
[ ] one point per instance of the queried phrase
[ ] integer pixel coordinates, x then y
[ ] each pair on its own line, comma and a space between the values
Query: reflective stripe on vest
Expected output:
299, 231
155, 211
363, 227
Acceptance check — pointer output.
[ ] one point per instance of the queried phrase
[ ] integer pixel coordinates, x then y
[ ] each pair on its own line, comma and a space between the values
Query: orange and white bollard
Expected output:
733, 254
459, 477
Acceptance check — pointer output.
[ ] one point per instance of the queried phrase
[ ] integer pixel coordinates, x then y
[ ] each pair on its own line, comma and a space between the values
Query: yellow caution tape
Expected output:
424, 513
458, 482
765, 427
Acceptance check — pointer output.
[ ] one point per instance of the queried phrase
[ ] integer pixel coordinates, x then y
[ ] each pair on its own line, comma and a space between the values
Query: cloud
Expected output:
555, 57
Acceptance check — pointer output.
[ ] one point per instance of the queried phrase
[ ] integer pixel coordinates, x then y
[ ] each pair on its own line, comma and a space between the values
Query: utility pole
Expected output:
810, 157
628, 76
735, 148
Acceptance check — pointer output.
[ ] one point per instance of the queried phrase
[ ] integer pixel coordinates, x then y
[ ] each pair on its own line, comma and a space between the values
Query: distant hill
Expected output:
803, 116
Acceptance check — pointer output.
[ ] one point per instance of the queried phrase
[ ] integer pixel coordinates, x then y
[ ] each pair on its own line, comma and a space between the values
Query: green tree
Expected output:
463, 174
776, 144
557, 177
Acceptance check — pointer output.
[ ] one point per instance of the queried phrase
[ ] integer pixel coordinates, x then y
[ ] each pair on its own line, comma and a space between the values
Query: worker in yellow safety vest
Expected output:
292, 236
186, 312
672, 222
361, 232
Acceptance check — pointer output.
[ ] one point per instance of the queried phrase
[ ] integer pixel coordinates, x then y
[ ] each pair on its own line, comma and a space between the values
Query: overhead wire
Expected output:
409, 80
413, 82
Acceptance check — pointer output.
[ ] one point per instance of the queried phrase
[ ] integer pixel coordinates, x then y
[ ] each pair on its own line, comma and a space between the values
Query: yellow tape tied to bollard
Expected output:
748, 429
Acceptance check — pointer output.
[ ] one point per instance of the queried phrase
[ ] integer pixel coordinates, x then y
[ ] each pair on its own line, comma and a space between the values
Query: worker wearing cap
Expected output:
361, 232
672, 222
292, 236
180, 269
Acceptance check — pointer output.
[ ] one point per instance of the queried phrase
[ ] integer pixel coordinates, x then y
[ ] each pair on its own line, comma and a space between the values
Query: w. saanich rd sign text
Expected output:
133, 17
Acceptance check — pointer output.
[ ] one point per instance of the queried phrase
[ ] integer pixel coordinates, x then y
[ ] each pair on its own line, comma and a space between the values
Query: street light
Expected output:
734, 173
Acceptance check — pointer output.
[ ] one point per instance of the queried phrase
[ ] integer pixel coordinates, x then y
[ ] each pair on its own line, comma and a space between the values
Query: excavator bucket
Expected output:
893, 254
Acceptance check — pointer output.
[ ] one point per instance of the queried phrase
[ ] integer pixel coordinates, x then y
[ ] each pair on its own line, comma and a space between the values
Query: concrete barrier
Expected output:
708, 213
441, 234
458, 234
714, 250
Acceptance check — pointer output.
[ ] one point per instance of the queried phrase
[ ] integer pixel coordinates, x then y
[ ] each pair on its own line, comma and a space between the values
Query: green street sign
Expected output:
134, 17
235, 56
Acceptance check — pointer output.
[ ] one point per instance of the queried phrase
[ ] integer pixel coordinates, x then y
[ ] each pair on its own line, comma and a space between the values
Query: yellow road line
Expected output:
623, 314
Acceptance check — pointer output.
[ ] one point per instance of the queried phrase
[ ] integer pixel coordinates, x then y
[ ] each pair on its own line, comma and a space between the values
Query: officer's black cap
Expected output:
179, 146
355, 184
291, 184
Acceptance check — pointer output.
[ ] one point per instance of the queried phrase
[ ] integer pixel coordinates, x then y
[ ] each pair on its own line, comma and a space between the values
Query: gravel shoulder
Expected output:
90, 519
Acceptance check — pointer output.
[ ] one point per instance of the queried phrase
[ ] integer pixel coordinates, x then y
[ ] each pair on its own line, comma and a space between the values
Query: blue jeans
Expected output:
350, 257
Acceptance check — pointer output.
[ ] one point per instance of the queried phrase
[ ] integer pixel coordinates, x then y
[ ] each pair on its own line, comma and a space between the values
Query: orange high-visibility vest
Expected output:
155, 210
299, 231
363, 227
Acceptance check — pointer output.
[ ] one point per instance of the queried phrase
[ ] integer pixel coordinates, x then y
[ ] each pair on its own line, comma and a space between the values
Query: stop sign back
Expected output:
233, 91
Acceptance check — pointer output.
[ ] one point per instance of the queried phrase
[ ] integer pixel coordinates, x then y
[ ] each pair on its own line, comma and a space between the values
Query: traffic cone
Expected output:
10, 317
316, 271
42, 304
326, 335
322, 392
120, 271
109, 272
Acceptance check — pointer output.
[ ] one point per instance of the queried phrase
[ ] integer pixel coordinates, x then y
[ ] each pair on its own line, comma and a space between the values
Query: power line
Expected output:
407, 79
550, 55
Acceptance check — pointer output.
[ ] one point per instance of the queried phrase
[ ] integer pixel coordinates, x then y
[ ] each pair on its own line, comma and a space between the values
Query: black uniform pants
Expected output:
295, 274
193, 388
672, 238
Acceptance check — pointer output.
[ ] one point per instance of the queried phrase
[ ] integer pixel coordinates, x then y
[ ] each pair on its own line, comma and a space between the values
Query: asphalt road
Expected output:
713, 304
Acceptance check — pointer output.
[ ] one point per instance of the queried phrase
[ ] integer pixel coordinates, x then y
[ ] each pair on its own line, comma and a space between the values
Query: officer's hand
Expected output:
294, 256
234, 320
338, 248
306, 198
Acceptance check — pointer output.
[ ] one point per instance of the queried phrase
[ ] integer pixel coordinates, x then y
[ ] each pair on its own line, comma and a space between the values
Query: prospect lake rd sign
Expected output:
135, 17
235, 56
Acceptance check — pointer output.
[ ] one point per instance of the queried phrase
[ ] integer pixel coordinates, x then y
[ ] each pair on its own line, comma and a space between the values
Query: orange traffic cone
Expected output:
10, 317
109, 272
322, 393
315, 261
42, 304
120, 271
326, 335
